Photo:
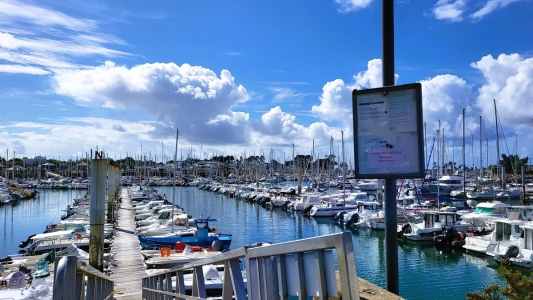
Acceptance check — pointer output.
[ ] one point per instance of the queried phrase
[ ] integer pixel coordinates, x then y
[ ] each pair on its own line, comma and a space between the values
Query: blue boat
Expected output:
201, 236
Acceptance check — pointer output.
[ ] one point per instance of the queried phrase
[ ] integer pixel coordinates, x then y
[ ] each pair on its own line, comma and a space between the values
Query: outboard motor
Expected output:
339, 217
406, 228
6, 260
512, 251
25, 243
353, 219
286, 204
217, 245
307, 209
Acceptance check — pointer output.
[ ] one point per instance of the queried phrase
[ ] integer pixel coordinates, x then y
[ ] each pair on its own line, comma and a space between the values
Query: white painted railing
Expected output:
74, 281
298, 269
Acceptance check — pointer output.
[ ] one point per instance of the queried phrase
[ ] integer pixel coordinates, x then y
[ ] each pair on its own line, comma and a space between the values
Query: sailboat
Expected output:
332, 207
497, 191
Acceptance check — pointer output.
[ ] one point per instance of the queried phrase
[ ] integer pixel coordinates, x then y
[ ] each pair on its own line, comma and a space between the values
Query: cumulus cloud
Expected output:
449, 10
191, 98
346, 6
489, 7
509, 81
443, 98
336, 98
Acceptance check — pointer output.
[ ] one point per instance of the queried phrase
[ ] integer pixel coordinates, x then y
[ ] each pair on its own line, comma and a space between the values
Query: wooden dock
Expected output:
129, 269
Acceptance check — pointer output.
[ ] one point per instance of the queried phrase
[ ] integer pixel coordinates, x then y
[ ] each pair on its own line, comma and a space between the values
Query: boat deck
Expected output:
129, 269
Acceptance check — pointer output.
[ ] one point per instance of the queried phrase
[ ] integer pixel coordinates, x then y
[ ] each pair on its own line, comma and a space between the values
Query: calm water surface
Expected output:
425, 272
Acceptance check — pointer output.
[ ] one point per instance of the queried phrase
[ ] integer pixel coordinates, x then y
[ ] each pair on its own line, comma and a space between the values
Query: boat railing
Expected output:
75, 279
299, 268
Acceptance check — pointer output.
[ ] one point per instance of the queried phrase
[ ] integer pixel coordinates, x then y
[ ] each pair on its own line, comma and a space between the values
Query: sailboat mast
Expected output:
497, 139
464, 159
438, 166
293, 165
480, 148
343, 170
174, 181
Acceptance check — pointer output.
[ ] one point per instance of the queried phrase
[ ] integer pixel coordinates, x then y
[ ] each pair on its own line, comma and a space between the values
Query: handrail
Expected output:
298, 268
74, 279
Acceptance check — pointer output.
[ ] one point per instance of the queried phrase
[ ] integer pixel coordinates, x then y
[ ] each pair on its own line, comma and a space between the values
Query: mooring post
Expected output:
112, 175
97, 210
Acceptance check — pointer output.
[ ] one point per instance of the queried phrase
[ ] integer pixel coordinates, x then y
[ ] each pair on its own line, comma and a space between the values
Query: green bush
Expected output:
519, 286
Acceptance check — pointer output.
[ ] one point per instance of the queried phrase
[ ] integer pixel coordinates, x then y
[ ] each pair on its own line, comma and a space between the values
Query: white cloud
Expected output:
336, 98
509, 80
22, 70
346, 6
491, 6
12, 11
192, 98
42, 38
443, 98
449, 11
282, 93
84, 134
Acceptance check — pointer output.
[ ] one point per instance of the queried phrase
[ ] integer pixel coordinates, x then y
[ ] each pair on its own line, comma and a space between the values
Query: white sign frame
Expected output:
388, 132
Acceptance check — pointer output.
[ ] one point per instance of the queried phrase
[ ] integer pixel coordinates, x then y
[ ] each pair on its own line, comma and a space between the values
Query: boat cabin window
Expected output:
500, 230
529, 239
499, 210
488, 210
517, 228
201, 225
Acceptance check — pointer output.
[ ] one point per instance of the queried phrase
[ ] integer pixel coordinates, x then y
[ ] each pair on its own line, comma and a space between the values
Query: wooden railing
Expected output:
299, 269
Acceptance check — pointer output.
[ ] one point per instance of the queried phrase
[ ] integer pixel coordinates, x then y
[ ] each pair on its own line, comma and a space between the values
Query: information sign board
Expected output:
388, 136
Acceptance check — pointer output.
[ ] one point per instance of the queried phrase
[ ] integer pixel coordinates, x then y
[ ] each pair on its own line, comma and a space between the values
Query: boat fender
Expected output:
165, 251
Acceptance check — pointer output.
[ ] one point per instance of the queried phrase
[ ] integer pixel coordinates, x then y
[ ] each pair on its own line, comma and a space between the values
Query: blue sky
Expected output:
238, 76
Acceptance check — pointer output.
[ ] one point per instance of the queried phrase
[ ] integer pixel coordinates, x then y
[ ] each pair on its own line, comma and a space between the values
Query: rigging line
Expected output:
507, 146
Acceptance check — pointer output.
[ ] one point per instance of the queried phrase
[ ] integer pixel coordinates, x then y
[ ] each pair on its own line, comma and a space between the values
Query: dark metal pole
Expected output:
391, 236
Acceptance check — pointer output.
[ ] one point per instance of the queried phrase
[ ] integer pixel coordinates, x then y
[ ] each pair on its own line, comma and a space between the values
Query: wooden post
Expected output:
113, 173
97, 211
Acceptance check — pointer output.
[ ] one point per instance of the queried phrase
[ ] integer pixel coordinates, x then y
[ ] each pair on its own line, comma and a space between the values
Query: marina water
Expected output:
425, 272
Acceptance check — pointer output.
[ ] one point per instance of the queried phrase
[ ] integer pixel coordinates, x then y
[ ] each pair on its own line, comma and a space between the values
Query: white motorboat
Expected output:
446, 184
329, 209
491, 192
486, 211
306, 199
160, 217
148, 206
145, 214
169, 260
361, 217
434, 223
181, 222
505, 231
58, 240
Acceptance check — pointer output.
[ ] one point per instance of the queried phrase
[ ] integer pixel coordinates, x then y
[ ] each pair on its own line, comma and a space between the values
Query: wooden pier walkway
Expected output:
129, 269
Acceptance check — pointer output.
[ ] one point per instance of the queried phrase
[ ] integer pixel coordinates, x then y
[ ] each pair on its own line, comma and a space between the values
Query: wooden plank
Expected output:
129, 270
